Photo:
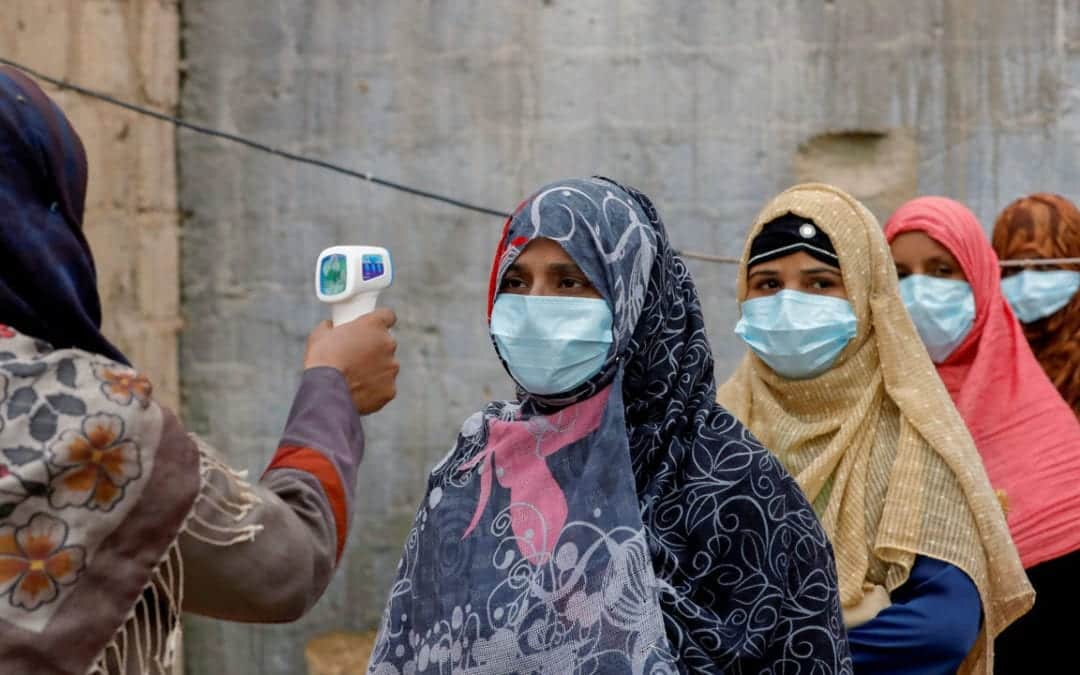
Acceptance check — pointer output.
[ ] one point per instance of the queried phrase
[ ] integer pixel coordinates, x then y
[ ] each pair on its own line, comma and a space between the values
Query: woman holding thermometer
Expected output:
612, 517
113, 518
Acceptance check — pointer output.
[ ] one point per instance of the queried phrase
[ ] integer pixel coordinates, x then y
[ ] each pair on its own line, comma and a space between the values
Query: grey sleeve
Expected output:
266, 552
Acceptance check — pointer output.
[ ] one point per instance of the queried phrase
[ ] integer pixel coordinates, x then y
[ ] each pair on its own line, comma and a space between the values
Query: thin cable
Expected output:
255, 145
709, 257
1029, 262
363, 175
1019, 262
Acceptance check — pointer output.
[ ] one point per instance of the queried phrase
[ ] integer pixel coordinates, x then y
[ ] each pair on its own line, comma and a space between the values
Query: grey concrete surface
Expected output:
703, 105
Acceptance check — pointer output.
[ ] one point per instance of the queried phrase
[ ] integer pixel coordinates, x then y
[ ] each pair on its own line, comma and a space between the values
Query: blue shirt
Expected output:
929, 629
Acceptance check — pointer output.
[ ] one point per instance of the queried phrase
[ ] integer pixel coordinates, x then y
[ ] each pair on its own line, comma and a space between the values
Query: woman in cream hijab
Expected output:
840, 387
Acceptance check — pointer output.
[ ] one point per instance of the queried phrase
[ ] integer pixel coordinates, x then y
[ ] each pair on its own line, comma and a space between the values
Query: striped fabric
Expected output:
322, 468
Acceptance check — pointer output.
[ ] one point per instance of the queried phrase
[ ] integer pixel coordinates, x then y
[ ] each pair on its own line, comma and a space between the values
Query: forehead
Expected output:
798, 261
921, 244
543, 251
1025, 228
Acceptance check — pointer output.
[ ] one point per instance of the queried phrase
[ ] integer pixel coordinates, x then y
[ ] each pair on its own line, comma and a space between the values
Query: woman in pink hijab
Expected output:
1028, 437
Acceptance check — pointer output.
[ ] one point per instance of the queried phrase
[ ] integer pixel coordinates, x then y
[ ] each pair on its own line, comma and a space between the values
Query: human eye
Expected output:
767, 285
943, 271
574, 283
822, 284
512, 282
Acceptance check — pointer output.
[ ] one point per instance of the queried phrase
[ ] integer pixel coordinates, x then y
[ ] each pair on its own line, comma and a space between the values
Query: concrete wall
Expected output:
709, 107
128, 48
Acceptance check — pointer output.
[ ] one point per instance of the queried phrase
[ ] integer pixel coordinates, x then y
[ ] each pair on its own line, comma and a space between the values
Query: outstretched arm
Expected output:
266, 551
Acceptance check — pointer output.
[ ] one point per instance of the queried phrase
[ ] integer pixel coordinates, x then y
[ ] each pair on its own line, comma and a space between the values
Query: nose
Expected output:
541, 287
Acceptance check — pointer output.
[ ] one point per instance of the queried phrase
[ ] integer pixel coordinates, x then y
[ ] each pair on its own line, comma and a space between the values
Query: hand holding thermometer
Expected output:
349, 279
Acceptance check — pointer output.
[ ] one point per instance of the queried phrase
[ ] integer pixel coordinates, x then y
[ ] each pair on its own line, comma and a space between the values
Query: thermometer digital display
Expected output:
349, 279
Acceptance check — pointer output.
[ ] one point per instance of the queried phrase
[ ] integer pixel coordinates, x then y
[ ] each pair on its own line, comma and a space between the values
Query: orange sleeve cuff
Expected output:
319, 465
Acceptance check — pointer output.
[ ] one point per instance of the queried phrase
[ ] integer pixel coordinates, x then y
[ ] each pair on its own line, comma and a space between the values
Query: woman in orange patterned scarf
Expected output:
1045, 226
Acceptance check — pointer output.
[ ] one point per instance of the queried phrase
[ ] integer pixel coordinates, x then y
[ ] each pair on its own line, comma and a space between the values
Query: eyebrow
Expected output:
820, 270
764, 273
942, 259
565, 268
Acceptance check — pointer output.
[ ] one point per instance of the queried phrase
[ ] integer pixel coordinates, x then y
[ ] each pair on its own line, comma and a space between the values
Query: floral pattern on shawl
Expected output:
123, 384
684, 548
95, 464
69, 462
35, 562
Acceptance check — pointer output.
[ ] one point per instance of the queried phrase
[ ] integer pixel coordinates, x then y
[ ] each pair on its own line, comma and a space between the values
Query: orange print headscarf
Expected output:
1045, 225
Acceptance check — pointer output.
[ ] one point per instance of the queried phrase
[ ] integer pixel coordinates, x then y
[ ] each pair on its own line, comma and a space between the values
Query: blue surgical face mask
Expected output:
551, 344
943, 311
799, 335
1035, 294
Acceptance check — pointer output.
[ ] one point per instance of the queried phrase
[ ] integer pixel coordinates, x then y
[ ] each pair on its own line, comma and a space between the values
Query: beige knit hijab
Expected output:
875, 442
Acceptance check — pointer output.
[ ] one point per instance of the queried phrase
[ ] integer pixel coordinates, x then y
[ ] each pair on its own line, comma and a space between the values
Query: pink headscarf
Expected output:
1027, 435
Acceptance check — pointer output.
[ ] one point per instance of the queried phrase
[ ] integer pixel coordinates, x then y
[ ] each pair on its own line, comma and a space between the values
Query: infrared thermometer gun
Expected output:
349, 278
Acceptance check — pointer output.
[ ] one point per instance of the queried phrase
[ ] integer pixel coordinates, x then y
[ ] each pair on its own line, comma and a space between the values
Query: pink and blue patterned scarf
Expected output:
631, 525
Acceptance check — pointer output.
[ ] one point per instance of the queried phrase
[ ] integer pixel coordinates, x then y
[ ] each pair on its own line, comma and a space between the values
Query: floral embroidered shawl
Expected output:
631, 525
89, 510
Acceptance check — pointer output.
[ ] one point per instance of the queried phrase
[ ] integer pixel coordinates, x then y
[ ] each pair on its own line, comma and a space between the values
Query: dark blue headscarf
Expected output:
631, 525
48, 285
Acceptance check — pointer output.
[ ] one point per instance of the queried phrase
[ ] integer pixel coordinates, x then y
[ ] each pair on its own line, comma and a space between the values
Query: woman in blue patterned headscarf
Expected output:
619, 521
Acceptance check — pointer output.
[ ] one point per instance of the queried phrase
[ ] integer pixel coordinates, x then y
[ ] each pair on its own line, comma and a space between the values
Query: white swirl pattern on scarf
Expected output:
712, 563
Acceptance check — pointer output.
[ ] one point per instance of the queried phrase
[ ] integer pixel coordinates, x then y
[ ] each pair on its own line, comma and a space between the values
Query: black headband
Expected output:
790, 234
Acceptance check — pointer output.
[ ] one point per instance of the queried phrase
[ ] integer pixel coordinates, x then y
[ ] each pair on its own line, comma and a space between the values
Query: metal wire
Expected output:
1029, 262
256, 145
367, 176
